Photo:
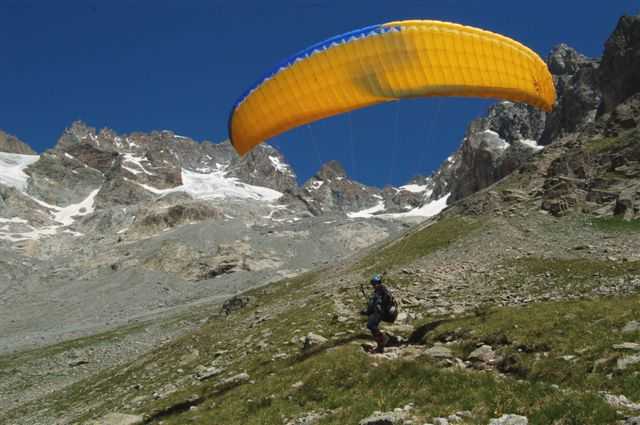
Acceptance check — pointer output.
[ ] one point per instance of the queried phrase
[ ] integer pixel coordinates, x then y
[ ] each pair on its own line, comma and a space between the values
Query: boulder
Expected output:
383, 419
118, 419
439, 352
202, 373
634, 346
626, 361
236, 303
632, 326
625, 204
509, 420
313, 340
484, 354
233, 381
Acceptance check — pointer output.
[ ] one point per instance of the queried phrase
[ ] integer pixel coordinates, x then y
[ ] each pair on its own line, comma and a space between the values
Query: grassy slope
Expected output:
262, 340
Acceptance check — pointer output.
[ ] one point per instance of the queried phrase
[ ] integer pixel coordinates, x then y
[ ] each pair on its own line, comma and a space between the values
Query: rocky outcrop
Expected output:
194, 264
619, 72
599, 176
155, 220
264, 166
578, 93
330, 190
61, 179
592, 174
512, 122
11, 144
484, 158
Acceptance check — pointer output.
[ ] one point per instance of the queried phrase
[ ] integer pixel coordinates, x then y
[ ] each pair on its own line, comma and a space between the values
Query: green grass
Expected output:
615, 224
536, 337
603, 145
576, 268
608, 144
418, 244
344, 380
573, 276
339, 377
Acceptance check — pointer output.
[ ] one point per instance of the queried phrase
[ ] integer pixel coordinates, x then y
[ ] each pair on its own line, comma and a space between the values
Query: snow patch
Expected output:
414, 188
137, 161
66, 215
490, 138
315, 185
13, 220
278, 165
532, 144
367, 213
12, 167
427, 210
215, 185
63, 215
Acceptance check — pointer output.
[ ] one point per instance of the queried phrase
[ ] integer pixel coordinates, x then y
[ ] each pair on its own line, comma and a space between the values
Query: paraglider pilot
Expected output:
381, 306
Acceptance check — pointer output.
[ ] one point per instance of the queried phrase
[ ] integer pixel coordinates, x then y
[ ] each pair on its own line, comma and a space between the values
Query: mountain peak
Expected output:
331, 170
564, 59
620, 66
11, 144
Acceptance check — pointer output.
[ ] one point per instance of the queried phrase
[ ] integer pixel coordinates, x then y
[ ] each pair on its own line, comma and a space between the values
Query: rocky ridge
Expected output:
12, 144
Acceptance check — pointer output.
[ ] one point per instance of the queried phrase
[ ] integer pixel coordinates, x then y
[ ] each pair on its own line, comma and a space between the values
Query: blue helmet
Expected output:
376, 279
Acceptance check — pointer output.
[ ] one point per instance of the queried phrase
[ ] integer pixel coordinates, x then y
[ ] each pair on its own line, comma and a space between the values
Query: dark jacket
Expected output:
376, 301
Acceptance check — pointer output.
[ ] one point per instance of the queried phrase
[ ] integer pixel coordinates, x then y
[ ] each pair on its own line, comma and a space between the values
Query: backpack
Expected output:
389, 307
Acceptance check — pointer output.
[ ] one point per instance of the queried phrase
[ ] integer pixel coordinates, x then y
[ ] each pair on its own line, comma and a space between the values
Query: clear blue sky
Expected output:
180, 65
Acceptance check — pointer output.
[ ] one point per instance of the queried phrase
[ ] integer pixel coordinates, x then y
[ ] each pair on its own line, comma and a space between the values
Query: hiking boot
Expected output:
381, 341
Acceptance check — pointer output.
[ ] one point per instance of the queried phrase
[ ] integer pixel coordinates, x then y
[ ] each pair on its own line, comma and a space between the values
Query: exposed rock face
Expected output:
585, 179
595, 179
578, 93
485, 157
159, 219
264, 166
12, 144
620, 69
196, 264
625, 116
512, 122
60, 179
330, 190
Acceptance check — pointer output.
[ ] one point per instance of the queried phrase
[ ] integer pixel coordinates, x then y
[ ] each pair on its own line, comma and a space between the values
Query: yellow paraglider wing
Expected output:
383, 63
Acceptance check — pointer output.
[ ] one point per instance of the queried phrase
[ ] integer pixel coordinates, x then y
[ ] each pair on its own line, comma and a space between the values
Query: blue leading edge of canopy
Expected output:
338, 39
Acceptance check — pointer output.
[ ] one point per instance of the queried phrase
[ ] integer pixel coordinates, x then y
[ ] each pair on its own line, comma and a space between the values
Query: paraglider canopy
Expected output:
382, 63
